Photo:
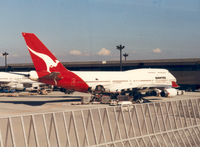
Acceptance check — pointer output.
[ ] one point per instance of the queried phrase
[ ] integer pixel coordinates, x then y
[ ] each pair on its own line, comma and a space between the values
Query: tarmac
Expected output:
24, 103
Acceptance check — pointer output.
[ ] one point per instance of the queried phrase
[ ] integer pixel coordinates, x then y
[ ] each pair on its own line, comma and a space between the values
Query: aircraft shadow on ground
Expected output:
47, 96
151, 99
39, 103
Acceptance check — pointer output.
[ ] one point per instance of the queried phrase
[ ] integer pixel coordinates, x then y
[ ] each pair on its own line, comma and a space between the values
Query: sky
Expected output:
90, 30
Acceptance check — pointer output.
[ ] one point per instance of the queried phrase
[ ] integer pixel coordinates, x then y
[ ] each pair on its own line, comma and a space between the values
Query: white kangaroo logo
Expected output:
48, 61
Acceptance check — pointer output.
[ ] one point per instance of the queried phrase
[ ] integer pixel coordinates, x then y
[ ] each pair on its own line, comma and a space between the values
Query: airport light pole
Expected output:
5, 54
125, 55
120, 48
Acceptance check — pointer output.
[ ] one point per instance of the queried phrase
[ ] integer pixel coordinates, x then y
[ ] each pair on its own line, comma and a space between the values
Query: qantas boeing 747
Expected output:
132, 82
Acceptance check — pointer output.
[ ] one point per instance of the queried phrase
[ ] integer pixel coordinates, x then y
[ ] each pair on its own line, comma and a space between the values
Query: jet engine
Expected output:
169, 92
17, 86
33, 75
155, 92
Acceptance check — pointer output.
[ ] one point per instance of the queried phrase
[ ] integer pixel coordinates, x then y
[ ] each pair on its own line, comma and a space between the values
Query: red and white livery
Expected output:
50, 71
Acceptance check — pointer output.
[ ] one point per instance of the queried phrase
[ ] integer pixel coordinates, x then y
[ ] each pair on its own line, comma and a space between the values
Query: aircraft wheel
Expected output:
100, 88
137, 96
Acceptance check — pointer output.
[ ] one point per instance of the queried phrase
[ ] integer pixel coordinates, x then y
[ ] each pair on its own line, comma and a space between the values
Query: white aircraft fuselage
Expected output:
17, 80
137, 78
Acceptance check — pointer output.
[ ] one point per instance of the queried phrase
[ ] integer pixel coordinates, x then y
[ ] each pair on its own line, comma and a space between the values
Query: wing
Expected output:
4, 82
120, 87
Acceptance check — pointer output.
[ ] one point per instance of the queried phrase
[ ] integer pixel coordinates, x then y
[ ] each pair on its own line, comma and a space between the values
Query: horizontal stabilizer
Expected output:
51, 76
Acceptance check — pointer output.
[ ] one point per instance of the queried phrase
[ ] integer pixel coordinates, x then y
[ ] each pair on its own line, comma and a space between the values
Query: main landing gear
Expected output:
100, 95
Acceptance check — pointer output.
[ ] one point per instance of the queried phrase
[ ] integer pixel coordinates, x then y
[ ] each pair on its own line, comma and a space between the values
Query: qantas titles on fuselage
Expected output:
50, 71
137, 78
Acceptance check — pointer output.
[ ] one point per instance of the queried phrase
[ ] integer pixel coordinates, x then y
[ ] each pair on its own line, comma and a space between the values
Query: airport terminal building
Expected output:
187, 71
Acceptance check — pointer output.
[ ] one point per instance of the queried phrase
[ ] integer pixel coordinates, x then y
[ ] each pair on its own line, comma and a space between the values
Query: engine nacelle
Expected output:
156, 92
20, 87
33, 75
170, 92
180, 92
17, 86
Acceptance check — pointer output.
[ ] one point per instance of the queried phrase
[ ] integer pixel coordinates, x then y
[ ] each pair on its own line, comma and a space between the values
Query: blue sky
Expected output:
90, 30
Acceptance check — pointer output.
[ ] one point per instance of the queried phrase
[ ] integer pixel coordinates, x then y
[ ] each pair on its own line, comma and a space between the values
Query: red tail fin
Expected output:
47, 65
43, 59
